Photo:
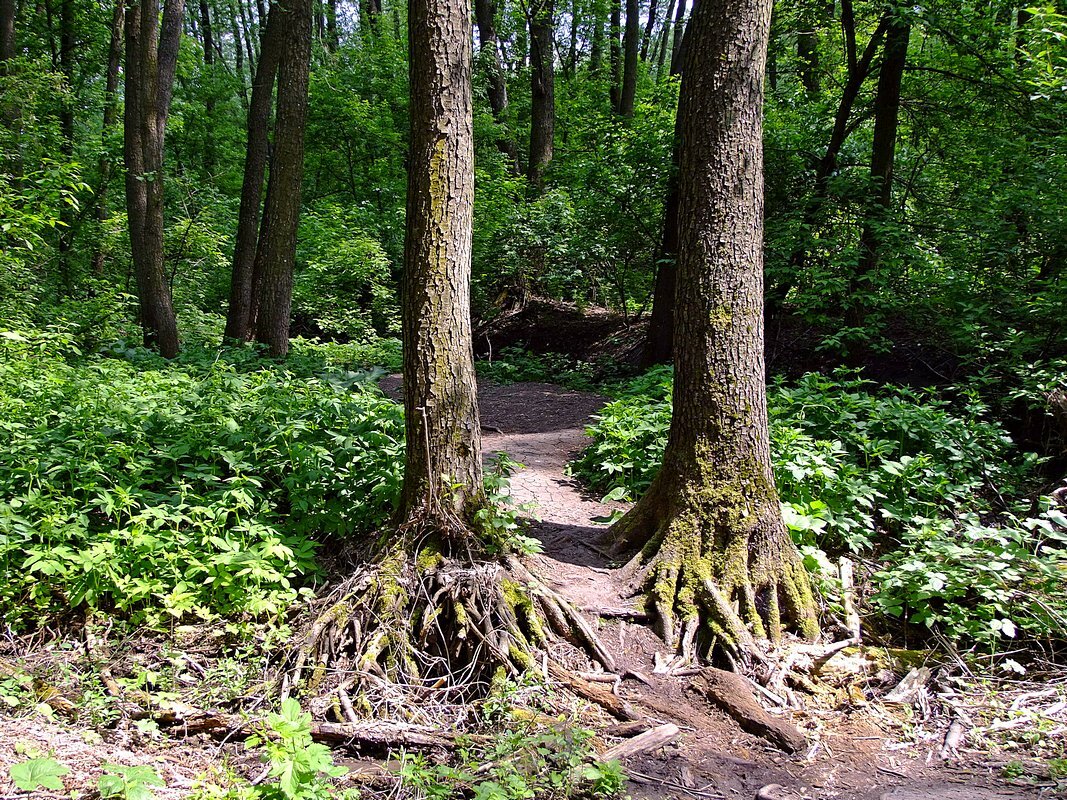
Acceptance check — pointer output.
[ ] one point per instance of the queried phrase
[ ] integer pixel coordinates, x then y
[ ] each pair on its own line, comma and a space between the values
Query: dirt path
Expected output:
854, 752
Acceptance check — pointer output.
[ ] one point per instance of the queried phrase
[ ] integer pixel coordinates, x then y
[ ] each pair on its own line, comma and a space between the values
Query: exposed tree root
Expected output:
709, 590
417, 627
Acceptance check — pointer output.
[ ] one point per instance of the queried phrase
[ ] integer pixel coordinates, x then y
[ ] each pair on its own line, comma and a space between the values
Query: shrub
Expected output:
193, 487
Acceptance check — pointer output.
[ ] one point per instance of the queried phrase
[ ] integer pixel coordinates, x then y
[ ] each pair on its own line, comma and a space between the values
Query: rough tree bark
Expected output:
432, 603
631, 42
709, 529
151, 58
543, 91
485, 14
273, 268
257, 150
8, 10
883, 151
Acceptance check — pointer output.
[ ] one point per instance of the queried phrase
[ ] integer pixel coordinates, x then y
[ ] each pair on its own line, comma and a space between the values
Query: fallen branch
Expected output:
642, 743
729, 692
615, 706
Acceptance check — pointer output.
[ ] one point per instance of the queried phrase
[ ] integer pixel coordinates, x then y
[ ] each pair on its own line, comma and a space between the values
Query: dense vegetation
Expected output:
205, 484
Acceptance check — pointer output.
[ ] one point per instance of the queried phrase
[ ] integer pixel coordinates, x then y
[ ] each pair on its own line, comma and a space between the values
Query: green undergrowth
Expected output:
516, 365
934, 489
197, 487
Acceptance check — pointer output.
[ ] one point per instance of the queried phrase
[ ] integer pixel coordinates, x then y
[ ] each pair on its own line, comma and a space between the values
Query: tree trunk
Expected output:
208, 41
274, 298
66, 126
710, 527
333, 39
858, 70
677, 38
485, 13
8, 11
543, 92
650, 26
151, 58
239, 57
596, 43
883, 150
630, 45
111, 87
252, 43
257, 152
664, 36
615, 54
442, 468
659, 339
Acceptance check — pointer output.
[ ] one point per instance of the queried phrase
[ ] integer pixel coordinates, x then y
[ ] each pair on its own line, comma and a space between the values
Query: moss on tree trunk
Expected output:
714, 555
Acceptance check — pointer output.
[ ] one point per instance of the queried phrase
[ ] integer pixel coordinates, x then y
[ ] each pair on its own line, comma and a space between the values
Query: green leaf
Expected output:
38, 773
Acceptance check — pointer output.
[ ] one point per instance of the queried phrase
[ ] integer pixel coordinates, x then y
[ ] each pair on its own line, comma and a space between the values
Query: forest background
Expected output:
916, 165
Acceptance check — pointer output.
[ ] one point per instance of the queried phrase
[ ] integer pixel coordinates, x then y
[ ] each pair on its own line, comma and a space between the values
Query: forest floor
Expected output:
858, 747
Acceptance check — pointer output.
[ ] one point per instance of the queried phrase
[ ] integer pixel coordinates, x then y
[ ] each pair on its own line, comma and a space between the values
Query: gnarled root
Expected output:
417, 625
712, 595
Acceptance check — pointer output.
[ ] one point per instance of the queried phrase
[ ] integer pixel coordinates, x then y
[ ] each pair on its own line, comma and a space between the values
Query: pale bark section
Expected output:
442, 473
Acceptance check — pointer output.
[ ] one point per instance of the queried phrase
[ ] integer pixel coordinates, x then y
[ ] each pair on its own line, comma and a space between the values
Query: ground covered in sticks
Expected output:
856, 722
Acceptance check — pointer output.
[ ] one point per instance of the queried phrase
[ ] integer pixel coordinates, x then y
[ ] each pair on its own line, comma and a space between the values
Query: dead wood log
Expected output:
615, 706
729, 692
642, 743
908, 689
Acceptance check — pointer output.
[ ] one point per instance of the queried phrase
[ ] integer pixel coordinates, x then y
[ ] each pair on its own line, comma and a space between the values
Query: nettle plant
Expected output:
193, 488
863, 468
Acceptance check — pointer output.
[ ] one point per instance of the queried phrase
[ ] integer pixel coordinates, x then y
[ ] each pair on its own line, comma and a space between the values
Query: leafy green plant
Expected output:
128, 783
300, 765
38, 773
163, 490
500, 519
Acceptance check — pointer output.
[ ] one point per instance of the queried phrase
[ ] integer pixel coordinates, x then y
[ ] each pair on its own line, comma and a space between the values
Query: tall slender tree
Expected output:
111, 87
485, 14
151, 59
631, 42
543, 89
709, 530
276, 254
883, 150
239, 319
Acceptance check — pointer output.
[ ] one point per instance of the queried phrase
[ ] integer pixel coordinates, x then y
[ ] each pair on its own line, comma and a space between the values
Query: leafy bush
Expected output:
193, 487
851, 461
846, 458
981, 582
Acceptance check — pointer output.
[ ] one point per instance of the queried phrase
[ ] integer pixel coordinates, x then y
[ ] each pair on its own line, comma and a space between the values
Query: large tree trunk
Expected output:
151, 58
274, 297
485, 13
883, 150
442, 468
543, 91
257, 150
630, 45
710, 527
596, 38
